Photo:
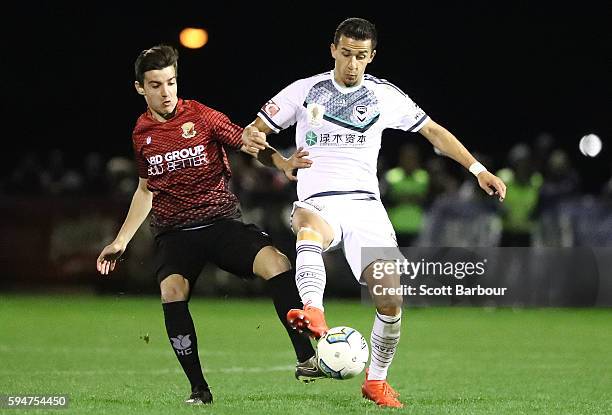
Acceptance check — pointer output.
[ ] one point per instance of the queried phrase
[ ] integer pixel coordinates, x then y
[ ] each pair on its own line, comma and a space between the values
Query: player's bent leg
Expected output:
310, 276
182, 335
174, 288
313, 235
304, 219
384, 338
270, 262
274, 267
310, 280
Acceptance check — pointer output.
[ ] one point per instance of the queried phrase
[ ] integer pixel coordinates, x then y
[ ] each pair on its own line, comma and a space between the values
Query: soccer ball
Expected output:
342, 353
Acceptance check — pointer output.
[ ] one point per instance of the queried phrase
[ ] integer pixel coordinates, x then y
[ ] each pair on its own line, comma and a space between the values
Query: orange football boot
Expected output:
381, 393
310, 320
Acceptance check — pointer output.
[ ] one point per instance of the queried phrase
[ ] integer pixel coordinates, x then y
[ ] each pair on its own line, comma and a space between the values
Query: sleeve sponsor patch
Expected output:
270, 108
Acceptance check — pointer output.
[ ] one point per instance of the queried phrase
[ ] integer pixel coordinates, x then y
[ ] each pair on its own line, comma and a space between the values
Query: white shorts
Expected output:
358, 220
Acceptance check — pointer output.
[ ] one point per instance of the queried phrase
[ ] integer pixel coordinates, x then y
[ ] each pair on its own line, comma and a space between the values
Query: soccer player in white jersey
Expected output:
340, 117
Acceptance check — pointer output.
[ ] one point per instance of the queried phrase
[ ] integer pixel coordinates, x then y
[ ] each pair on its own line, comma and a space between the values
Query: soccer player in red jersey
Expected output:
180, 150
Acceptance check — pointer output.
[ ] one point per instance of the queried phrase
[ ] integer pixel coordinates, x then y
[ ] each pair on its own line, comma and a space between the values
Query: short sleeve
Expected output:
408, 116
281, 111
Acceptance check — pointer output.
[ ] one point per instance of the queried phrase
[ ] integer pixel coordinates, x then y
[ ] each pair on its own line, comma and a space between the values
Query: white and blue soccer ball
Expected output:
342, 353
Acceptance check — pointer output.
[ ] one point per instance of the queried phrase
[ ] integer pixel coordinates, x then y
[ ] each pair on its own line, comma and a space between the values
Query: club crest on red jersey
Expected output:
188, 130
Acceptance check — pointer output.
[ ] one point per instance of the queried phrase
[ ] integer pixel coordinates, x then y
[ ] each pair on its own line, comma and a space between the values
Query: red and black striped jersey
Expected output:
186, 165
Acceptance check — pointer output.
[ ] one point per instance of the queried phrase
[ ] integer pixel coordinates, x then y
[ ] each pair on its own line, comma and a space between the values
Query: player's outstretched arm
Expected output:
450, 146
139, 209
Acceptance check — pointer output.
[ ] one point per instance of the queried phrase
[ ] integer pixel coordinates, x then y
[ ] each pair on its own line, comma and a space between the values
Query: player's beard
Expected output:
350, 81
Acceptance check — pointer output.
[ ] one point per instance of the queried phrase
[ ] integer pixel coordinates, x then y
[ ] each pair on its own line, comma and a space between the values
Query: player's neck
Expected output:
342, 87
162, 117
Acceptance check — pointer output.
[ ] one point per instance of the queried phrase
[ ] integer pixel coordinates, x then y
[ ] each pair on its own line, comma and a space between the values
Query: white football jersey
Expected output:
341, 128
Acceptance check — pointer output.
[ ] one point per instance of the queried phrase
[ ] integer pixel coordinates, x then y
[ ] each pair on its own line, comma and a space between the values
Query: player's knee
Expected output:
391, 309
174, 289
277, 264
309, 234
172, 294
270, 263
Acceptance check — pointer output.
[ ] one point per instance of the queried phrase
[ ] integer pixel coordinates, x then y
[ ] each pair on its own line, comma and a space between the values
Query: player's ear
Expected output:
372, 54
332, 49
139, 88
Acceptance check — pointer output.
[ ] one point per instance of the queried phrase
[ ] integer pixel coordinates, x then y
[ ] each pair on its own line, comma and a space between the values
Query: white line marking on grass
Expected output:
98, 372
90, 350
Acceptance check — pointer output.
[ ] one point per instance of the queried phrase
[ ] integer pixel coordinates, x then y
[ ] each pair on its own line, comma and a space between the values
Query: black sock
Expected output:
285, 295
182, 335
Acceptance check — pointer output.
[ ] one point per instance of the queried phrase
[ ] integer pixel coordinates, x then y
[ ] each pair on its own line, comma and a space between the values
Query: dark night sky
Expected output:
492, 74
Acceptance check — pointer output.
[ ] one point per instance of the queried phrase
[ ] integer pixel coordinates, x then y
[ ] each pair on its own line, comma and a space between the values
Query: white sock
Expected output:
384, 340
310, 272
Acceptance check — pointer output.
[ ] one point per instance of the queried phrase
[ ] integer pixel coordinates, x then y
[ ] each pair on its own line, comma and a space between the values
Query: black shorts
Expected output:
230, 244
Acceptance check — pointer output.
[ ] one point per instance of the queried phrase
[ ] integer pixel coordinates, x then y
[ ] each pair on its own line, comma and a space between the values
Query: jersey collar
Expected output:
179, 108
344, 89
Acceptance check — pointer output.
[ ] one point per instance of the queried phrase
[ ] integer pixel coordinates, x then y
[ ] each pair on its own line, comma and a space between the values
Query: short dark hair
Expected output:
358, 29
157, 57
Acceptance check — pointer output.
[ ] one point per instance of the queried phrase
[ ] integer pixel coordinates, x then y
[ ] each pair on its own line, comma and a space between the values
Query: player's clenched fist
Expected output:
253, 140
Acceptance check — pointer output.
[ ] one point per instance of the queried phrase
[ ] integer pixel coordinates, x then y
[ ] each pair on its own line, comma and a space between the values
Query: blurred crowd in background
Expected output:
59, 210
431, 201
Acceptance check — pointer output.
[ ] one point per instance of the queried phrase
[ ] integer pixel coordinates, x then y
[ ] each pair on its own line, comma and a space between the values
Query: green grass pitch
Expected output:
450, 360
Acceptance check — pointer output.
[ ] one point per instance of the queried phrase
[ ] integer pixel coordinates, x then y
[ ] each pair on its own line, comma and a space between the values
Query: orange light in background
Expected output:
193, 38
